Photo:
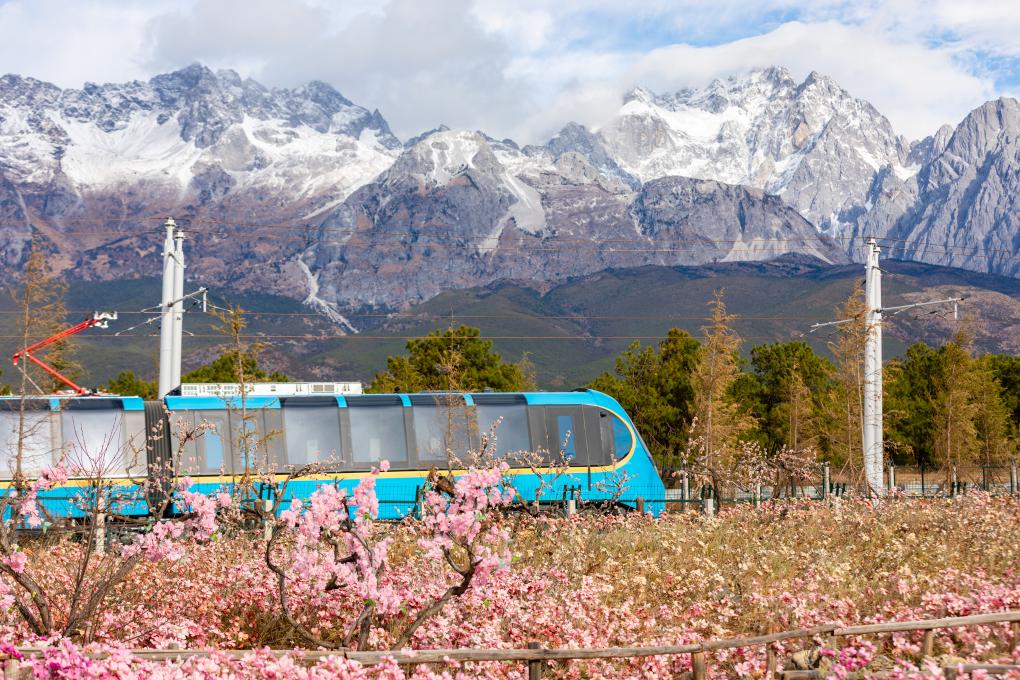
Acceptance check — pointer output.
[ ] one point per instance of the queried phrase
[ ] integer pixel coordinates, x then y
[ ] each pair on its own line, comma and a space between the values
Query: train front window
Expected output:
312, 435
622, 438
93, 441
377, 433
441, 431
512, 431
37, 445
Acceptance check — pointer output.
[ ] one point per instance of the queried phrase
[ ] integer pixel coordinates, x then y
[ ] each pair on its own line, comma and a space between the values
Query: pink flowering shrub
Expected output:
339, 547
585, 581
96, 572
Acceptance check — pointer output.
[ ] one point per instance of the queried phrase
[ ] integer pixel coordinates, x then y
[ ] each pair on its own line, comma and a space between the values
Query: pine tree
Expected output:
719, 418
955, 431
845, 421
654, 386
991, 418
427, 365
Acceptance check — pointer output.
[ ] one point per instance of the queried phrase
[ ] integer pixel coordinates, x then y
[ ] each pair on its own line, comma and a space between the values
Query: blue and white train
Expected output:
347, 434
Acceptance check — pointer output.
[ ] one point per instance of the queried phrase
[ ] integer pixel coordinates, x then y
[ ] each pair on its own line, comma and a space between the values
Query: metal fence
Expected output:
684, 489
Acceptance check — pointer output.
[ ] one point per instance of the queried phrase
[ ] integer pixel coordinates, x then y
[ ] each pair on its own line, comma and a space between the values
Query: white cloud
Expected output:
421, 64
71, 43
523, 68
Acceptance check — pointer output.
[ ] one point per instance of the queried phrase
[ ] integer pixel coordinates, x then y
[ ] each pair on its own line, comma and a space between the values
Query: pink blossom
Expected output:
17, 561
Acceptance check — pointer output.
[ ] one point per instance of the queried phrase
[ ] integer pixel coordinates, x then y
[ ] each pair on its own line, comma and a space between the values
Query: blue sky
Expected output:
522, 68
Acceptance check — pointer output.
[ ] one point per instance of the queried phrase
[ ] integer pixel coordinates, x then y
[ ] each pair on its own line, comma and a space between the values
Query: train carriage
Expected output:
348, 435
97, 437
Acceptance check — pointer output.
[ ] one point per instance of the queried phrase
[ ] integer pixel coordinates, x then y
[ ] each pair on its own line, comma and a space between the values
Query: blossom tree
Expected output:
338, 544
160, 508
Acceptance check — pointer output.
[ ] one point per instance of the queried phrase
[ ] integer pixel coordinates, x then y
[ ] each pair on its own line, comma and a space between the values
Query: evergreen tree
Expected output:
785, 392
912, 392
845, 405
127, 384
454, 359
654, 387
233, 367
720, 421
1006, 369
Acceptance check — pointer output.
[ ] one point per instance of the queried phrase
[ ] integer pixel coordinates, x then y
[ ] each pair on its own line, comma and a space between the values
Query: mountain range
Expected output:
304, 194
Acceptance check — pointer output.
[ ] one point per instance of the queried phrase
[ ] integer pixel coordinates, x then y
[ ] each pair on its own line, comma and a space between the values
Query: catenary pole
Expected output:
873, 443
872, 439
178, 308
166, 320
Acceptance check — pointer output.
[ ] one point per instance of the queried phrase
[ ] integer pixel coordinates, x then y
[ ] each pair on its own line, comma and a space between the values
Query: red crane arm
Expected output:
98, 319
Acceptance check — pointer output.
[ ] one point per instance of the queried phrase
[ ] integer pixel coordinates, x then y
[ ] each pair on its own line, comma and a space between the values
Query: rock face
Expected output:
811, 143
80, 164
965, 210
458, 209
303, 193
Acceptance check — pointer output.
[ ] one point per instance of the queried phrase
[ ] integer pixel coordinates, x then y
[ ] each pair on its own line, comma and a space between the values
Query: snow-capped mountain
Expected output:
91, 169
181, 126
811, 143
304, 193
459, 209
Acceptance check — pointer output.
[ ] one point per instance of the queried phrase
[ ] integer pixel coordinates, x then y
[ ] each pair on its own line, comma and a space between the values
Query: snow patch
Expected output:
140, 150
313, 300
905, 173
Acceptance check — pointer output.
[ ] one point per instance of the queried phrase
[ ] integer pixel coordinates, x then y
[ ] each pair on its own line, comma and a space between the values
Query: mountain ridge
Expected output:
303, 193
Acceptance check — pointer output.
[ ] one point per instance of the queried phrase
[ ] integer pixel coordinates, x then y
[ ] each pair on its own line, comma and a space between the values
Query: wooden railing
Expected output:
536, 657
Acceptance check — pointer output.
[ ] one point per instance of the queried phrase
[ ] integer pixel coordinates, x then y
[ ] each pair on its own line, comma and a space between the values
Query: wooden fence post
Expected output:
534, 667
928, 643
698, 668
640, 503
771, 662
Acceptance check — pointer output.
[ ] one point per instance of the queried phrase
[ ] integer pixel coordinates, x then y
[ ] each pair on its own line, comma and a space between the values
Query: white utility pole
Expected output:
178, 308
166, 330
873, 444
872, 439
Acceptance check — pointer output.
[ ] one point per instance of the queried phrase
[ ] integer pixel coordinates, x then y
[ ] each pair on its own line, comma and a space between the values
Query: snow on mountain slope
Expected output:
811, 143
310, 142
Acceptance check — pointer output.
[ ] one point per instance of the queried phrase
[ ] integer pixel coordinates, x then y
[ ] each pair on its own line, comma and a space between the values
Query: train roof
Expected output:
61, 402
579, 397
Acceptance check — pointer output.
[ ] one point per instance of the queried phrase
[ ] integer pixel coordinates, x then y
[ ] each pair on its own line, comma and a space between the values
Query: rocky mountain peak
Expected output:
812, 143
576, 138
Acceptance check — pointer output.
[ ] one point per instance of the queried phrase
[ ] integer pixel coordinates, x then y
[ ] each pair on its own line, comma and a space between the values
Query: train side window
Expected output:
213, 446
442, 429
93, 441
312, 434
512, 432
37, 448
247, 441
377, 433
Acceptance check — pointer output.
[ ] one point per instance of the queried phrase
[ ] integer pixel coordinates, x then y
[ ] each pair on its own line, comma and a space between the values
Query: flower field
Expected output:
587, 581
